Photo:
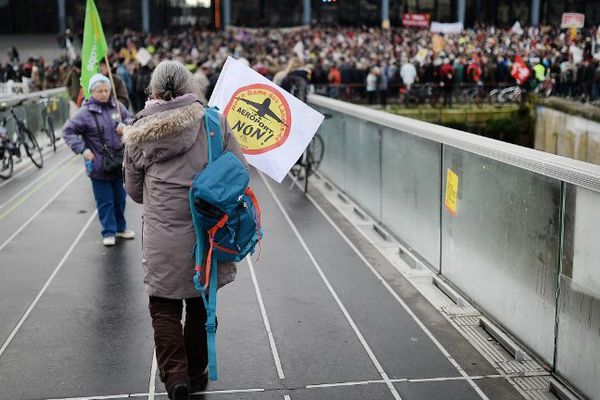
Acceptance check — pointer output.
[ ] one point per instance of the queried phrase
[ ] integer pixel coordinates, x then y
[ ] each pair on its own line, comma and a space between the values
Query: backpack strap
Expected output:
210, 305
214, 142
212, 126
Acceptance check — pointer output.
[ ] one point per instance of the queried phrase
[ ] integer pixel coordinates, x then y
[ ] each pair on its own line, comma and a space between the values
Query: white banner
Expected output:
272, 127
572, 20
440, 27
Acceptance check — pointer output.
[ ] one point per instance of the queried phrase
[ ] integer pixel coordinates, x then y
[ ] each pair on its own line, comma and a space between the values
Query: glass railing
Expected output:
31, 110
518, 236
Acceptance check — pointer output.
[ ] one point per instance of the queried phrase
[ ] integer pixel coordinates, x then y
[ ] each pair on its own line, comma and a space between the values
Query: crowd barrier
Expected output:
514, 230
31, 110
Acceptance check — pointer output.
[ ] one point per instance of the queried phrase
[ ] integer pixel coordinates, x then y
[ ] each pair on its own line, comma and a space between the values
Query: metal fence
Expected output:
522, 242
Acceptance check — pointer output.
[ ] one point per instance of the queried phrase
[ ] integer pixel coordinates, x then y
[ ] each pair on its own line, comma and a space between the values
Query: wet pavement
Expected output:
310, 319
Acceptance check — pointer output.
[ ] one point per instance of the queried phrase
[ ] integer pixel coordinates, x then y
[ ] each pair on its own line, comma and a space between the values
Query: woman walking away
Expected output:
164, 150
95, 132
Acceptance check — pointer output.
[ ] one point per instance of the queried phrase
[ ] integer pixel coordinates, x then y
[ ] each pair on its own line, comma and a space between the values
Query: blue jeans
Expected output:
110, 203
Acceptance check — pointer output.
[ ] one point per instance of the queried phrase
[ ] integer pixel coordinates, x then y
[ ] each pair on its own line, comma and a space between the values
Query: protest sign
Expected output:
143, 56
416, 20
272, 126
572, 20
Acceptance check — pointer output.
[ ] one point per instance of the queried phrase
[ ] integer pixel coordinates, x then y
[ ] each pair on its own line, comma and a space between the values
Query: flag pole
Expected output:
114, 89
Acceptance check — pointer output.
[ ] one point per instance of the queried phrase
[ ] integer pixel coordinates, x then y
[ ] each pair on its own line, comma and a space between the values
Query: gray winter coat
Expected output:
164, 150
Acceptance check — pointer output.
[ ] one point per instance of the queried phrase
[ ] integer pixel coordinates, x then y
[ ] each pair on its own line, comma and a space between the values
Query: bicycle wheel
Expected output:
50, 132
315, 155
32, 148
6, 163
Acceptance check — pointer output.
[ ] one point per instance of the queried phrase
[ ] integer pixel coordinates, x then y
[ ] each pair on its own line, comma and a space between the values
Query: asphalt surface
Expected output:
74, 321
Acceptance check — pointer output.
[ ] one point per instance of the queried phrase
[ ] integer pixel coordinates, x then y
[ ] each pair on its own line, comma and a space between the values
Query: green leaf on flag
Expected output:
94, 45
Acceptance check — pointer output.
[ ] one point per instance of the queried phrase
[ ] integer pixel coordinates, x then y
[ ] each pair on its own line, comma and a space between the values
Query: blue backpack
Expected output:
227, 221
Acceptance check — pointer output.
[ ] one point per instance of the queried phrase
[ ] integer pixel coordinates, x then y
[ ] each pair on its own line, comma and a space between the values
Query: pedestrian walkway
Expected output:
317, 313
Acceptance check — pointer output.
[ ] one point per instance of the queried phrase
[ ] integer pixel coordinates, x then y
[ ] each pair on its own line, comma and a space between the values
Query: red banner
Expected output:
416, 20
520, 71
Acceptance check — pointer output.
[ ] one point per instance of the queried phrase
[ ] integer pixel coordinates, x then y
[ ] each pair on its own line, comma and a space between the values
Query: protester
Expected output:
408, 73
345, 54
121, 89
72, 80
447, 81
164, 150
372, 84
95, 132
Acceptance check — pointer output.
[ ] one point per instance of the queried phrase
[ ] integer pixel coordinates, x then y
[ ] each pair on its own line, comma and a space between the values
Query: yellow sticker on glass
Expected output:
451, 191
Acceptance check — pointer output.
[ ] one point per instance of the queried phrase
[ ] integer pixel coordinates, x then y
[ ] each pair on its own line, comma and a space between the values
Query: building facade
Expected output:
53, 16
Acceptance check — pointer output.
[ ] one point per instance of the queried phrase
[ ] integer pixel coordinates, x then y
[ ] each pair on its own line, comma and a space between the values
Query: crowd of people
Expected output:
373, 63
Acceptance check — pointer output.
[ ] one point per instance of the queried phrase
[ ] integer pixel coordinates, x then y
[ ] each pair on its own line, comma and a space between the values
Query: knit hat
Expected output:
97, 78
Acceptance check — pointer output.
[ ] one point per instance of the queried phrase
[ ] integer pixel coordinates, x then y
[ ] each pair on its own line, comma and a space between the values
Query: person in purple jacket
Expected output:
98, 124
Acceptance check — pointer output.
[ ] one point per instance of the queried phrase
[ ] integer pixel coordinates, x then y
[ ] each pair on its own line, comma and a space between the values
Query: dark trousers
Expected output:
448, 95
110, 202
181, 351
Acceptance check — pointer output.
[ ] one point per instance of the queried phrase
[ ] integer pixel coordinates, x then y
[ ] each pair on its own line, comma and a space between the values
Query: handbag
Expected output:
112, 160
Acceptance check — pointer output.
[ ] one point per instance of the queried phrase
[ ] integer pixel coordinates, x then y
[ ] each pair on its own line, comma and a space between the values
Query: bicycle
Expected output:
310, 160
7, 150
511, 94
50, 105
23, 136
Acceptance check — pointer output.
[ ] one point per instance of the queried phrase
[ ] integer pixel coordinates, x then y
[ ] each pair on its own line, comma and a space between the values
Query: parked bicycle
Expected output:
310, 160
22, 137
511, 94
7, 150
50, 105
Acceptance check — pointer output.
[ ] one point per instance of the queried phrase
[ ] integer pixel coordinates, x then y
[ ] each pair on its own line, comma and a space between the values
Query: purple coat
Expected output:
80, 132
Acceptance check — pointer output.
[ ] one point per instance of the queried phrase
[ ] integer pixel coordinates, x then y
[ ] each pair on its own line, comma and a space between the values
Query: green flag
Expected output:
94, 46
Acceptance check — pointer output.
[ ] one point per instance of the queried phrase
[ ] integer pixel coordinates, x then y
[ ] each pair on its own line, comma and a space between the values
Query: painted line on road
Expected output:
38, 212
445, 352
136, 395
43, 289
45, 178
23, 170
152, 384
263, 311
359, 335
315, 386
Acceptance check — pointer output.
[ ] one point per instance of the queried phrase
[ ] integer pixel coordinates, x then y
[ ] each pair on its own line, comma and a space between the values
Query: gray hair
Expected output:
172, 79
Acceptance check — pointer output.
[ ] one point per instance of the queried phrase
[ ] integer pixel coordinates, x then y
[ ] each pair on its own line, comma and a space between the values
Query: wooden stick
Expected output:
114, 89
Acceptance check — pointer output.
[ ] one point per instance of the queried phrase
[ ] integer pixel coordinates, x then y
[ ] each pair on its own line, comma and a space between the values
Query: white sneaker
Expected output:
126, 234
109, 241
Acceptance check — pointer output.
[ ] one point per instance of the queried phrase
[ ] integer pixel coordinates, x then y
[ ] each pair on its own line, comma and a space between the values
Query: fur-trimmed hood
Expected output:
165, 130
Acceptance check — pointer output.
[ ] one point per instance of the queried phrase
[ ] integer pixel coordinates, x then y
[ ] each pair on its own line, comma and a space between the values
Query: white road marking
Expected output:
152, 384
36, 180
263, 311
359, 335
21, 172
316, 386
398, 298
38, 212
43, 289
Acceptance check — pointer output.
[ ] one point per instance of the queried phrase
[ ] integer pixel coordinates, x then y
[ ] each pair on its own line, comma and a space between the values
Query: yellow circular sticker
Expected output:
260, 118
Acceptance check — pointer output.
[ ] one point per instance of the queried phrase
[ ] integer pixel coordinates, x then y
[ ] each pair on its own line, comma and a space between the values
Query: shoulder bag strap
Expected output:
100, 131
